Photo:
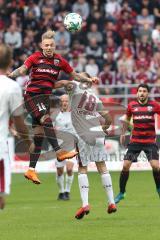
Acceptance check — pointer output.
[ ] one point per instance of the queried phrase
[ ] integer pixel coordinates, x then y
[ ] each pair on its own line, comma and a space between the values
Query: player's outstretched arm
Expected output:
61, 83
18, 72
107, 120
80, 77
125, 125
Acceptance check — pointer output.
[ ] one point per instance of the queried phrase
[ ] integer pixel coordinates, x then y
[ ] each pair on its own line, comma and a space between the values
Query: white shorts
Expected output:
88, 153
63, 163
5, 174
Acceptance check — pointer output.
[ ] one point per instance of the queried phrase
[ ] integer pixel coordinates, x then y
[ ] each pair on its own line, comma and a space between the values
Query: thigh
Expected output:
151, 151
99, 153
37, 106
84, 153
132, 152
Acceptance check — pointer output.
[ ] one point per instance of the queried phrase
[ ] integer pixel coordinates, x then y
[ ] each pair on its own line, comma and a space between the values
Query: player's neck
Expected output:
143, 103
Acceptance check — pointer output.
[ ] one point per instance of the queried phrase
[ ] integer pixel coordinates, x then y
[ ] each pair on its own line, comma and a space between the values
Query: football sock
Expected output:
84, 188
107, 184
123, 181
60, 183
38, 141
156, 176
69, 180
50, 134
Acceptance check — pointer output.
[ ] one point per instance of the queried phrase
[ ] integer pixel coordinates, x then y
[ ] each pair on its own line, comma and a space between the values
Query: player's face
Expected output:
142, 94
48, 47
64, 103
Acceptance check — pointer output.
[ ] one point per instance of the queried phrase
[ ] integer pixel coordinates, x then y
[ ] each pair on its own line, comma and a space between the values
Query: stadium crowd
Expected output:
119, 41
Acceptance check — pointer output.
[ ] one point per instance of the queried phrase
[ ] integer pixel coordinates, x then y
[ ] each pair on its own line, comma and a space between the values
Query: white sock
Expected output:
60, 183
69, 180
107, 184
84, 188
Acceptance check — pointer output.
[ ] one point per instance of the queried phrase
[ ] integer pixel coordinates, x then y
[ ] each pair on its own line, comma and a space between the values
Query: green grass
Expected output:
32, 212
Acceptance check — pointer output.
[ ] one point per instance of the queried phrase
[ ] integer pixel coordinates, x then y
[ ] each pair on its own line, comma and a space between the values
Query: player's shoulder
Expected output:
133, 103
58, 57
153, 103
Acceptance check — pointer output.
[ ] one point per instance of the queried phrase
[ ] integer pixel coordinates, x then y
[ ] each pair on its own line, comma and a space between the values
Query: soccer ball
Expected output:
73, 22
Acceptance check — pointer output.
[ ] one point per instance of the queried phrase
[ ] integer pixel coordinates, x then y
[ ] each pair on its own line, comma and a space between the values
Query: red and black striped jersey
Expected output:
44, 71
143, 121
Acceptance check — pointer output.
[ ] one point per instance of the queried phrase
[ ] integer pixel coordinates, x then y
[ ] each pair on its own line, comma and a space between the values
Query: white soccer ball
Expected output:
73, 22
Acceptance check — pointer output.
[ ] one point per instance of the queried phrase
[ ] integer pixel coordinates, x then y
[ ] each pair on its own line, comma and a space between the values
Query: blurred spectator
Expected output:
32, 7
62, 47
81, 7
62, 5
155, 63
94, 49
145, 19
94, 33
156, 36
127, 48
91, 67
147, 4
107, 77
62, 33
156, 90
98, 19
143, 59
125, 61
156, 11
142, 76
145, 46
111, 61
112, 10
77, 64
13, 37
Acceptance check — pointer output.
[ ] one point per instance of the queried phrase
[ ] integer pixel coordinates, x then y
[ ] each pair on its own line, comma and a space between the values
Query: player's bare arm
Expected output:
61, 83
80, 77
125, 125
18, 72
107, 119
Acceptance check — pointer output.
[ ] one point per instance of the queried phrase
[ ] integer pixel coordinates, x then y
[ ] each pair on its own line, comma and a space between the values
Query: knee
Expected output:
46, 120
59, 172
69, 172
126, 168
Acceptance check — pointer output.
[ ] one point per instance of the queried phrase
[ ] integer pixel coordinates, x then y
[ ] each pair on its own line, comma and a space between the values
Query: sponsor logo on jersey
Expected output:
143, 117
56, 62
150, 108
47, 71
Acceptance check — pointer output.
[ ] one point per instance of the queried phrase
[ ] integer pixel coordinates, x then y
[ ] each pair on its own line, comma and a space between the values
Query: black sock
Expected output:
156, 176
38, 141
123, 181
50, 134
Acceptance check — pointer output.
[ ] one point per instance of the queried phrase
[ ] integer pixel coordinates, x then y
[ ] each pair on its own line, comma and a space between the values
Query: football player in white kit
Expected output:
63, 123
86, 112
11, 100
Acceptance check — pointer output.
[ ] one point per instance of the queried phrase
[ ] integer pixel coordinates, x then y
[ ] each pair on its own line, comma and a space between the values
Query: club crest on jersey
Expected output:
56, 62
150, 108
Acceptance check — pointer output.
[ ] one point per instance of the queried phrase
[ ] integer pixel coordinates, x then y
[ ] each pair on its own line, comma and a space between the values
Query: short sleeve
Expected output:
29, 61
157, 108
129, 111
15, 100
66, 66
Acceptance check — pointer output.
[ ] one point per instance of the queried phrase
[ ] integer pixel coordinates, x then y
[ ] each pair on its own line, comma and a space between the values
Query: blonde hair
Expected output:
48, 35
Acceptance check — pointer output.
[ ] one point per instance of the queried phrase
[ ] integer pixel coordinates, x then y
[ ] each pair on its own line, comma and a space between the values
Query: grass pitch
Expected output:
33, 212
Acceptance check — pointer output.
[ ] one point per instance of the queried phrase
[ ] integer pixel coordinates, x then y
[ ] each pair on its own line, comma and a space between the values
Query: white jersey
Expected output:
10, 102
84, 112
63, 122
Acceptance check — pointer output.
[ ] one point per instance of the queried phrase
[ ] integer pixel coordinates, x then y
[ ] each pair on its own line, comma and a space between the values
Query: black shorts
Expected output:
37, 105
134, 149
